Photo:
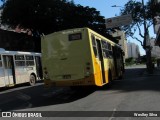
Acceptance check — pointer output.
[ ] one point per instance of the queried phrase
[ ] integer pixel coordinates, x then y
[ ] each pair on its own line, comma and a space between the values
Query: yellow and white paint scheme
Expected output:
68, 59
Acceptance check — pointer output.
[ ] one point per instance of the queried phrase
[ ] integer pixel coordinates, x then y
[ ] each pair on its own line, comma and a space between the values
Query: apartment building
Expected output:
133, 50
155, 52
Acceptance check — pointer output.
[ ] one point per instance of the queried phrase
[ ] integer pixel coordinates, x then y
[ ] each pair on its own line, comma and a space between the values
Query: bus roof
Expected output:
70, 31
3, 51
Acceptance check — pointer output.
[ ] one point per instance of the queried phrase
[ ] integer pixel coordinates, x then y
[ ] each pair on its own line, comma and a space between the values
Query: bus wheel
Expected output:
32, 80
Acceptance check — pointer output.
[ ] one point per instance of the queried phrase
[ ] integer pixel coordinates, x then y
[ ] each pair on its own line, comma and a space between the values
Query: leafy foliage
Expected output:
130, 61
139, 14
48, 16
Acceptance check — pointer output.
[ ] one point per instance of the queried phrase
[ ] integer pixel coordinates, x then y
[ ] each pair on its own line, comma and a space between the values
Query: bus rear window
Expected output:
76, 36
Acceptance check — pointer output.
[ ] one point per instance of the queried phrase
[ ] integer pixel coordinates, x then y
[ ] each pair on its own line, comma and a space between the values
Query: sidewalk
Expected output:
156, 72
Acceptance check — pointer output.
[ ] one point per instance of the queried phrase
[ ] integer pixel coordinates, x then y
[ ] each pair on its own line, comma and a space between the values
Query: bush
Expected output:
130, 61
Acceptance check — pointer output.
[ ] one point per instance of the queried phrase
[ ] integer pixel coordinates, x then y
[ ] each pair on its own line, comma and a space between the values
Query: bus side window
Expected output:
107, 51
104, 48
20, 63
19, 60
19, 57
110, 50
94, 45
29, 60
29, 57
30, 63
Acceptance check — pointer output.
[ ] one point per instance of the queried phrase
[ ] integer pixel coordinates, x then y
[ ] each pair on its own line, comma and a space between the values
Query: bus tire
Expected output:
32, 80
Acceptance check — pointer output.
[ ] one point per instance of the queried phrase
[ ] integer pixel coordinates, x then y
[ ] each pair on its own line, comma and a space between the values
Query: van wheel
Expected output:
32, 80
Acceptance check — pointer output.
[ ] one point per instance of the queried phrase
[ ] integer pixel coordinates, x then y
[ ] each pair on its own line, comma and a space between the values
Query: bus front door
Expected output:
38, 67
9, 70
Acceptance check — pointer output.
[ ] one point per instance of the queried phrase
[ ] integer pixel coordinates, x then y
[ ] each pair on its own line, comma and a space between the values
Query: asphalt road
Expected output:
137, 91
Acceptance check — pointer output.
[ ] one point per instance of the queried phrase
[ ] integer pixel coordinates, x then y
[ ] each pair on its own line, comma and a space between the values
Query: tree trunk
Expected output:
149, 61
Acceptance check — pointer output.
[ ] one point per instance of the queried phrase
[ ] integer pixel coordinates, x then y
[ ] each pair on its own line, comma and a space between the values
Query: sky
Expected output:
104, 6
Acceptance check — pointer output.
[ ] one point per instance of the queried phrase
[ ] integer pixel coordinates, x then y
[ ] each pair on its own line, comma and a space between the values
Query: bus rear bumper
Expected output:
87, 81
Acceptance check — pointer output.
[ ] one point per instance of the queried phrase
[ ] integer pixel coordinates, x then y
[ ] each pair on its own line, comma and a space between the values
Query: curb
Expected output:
156, 72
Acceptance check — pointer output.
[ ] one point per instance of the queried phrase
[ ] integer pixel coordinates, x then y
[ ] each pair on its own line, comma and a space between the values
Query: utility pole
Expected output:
146, 44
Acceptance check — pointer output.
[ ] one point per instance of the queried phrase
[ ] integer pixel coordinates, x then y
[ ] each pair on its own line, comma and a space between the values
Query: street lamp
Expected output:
115, 6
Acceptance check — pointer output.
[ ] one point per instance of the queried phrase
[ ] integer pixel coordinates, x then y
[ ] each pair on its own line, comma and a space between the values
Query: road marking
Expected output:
112, 116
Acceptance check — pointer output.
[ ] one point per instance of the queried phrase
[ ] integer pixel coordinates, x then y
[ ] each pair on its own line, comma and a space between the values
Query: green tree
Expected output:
137, 10
142, 16
47, 16
41, 15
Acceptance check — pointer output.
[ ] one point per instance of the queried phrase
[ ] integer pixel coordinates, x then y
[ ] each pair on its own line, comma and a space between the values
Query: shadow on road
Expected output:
38, 96
136, 79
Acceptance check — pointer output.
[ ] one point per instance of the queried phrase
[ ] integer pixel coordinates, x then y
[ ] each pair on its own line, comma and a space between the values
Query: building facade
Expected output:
122, 41
155, 52
156, 19
133, 50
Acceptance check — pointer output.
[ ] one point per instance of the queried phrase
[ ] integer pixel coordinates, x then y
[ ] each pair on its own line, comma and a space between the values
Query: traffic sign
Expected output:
118, 21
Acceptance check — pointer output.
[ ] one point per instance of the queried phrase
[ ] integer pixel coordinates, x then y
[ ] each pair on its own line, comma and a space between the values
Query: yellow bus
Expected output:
80, 57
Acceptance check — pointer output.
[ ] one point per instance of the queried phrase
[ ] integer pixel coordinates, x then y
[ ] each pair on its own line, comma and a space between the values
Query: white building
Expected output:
156, 5
133, 50
155, 52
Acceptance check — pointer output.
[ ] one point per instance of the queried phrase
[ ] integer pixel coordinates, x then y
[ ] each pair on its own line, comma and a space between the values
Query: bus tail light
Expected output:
46, 76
